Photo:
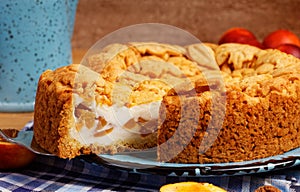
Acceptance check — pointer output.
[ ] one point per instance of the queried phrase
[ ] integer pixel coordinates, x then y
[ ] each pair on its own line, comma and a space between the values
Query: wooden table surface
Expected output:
18, 120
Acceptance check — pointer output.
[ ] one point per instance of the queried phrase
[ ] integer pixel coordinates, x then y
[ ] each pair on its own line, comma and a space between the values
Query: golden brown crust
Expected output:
54, 108
261, 111
132, 74
261, 88
53, 111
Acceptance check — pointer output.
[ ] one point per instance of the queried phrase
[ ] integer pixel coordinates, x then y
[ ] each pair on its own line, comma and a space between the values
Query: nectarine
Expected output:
190, 186
13, 156
290, 49
279, 37
239, 35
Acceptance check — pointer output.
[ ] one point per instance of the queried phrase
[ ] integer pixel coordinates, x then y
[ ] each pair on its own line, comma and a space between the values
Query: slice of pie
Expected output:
201, 103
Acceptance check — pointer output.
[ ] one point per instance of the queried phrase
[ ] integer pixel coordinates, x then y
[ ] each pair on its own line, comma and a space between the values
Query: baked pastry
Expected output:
110, 104
260, 117
130, 97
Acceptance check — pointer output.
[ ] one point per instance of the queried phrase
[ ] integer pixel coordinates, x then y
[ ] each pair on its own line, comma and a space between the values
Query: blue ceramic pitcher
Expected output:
35, 35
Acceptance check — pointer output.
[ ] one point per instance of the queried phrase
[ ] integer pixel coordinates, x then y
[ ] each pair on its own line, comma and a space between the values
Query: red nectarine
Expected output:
279, 37
239, 35
290, 49
13, 156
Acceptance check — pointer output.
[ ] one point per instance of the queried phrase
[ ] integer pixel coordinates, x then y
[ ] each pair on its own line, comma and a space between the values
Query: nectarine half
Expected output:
13, 156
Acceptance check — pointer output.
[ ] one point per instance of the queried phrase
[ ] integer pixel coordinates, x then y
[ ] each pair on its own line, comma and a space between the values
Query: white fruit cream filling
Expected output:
106, 125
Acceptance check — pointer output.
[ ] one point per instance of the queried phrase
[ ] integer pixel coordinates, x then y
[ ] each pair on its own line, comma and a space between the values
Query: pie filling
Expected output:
105, 125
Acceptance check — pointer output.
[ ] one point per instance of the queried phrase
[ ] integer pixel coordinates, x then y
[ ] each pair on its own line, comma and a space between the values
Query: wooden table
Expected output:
18, 120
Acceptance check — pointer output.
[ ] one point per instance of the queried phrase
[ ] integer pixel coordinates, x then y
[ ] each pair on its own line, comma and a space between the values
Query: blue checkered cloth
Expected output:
56, 174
